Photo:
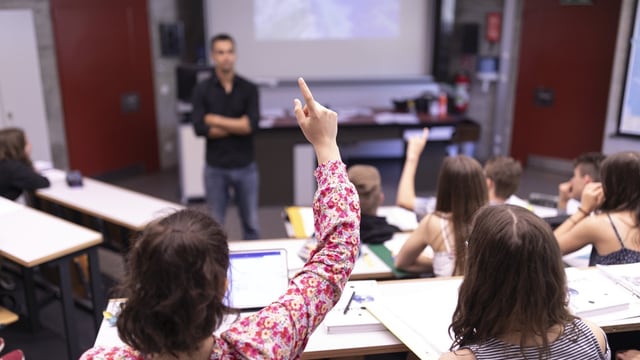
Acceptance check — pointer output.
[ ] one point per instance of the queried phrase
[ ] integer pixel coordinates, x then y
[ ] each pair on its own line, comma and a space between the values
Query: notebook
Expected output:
349, 315
256, 278
592, 295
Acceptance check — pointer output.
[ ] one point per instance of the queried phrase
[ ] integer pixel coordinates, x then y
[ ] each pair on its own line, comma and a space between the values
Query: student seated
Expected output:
512, 303
16, 175
461, 191
16, 170
586, 169
614, 231
373, 229
503, 175
177, 271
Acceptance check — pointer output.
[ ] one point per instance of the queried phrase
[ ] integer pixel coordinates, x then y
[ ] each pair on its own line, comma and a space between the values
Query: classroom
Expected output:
128, 119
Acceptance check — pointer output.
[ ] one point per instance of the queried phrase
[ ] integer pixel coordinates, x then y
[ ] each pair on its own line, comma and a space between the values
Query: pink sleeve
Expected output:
116, 352
282, 329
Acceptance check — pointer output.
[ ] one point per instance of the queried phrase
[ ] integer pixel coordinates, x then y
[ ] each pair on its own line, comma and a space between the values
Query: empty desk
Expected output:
30, 238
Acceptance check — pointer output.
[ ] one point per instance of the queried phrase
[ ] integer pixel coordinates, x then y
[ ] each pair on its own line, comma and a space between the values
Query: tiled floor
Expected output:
49, 342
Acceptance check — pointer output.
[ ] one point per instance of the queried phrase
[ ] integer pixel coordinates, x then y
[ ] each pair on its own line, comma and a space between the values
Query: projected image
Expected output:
630, 123
630, 118
326, 19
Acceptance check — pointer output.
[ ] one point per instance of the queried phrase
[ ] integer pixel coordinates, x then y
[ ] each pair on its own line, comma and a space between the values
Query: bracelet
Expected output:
584, 212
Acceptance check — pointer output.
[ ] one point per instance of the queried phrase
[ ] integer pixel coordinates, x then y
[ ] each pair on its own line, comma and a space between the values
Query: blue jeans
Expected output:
244, 182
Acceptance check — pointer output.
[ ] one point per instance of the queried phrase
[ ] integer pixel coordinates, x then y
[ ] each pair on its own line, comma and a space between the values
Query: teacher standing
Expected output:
226, 112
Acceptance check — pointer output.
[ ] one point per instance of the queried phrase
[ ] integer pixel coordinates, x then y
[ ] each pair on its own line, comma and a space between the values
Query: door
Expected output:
104, 64
566, 55
21, 95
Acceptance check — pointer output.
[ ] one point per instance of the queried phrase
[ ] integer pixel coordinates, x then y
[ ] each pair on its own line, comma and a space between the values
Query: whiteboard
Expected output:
326, 39
629, 123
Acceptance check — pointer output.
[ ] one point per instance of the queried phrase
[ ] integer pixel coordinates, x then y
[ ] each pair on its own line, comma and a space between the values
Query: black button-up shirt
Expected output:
209, 97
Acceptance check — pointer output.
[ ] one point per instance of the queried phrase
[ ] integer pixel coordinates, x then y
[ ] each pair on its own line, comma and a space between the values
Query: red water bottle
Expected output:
442, 104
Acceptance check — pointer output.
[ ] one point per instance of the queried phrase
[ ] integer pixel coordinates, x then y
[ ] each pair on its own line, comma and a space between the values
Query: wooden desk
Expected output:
321, 344
278, 160
430, 303
368, 266
427, 306
30, 238
110, 203
276, 140
128, 210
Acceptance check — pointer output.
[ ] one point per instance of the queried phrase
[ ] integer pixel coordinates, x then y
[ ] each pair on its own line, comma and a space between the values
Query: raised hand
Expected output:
318, 124
416, 144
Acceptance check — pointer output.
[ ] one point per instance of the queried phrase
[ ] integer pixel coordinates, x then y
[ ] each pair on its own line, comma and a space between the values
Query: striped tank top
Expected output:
576, 342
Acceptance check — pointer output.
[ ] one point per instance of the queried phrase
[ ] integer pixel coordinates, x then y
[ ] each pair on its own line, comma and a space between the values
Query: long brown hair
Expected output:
514, 280
175, 284
12, 145
461, 191
620, 174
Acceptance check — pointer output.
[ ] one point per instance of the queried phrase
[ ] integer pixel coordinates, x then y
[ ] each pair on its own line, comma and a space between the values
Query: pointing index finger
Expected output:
306, 93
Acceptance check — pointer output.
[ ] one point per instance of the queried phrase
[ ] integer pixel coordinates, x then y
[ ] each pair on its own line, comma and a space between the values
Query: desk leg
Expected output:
97, 296
67, 309
125, 235
30, 297
102, 227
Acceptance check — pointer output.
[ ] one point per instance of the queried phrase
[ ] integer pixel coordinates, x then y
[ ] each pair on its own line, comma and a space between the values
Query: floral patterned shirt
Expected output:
281, 330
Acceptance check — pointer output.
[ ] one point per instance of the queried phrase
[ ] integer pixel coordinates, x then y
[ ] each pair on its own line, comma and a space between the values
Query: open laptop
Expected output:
256, 278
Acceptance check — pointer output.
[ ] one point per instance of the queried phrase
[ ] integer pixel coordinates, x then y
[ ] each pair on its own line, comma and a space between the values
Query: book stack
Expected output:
599, 295
350, 314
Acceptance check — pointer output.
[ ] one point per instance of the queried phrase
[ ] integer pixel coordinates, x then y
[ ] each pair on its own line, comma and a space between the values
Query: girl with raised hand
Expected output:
461, 191
176, 279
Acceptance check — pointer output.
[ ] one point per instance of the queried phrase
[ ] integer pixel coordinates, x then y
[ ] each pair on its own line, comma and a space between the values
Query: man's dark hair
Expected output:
589, 164
221, 37
505, 172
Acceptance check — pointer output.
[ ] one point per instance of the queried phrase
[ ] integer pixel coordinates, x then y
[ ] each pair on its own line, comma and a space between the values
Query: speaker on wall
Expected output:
171, 39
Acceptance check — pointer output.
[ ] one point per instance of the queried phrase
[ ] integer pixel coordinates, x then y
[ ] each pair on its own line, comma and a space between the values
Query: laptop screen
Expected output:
256, 278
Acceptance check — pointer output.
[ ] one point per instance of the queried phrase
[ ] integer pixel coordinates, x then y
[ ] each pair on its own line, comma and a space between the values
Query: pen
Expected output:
346, 309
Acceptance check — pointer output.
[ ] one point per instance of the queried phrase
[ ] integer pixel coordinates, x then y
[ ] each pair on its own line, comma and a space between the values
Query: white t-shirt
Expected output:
515, 200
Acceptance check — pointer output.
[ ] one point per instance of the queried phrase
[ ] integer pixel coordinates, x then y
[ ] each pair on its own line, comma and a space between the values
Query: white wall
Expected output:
21, 90
49, 74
